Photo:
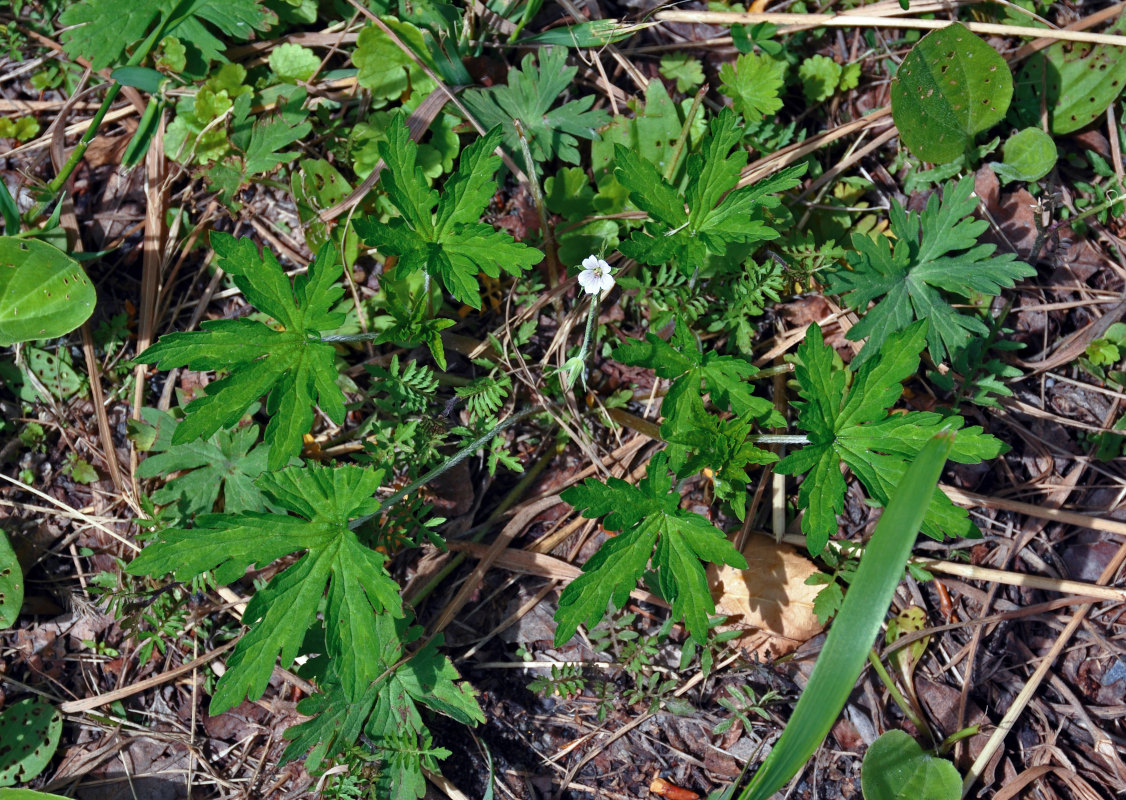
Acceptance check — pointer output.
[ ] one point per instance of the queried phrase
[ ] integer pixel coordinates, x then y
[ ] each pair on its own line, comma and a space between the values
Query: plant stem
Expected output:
904, 705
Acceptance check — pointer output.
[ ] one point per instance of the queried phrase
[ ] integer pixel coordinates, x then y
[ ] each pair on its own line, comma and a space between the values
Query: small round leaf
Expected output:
896, 768
950, 87
1029, 156
29, 735
43, 291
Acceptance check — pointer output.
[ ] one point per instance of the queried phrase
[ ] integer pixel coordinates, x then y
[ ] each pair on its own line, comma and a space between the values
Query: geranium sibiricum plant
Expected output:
596, 278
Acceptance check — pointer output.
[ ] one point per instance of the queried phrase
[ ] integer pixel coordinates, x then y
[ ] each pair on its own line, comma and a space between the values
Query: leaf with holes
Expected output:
11, 583
951, 87
29, 736
43, 291
1075, 82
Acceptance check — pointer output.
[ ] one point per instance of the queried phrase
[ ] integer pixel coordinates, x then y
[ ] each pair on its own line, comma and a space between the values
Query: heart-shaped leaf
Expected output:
43, 291
896, 768
951, 87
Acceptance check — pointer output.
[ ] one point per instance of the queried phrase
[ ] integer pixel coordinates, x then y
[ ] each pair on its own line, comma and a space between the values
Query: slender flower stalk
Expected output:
596, 279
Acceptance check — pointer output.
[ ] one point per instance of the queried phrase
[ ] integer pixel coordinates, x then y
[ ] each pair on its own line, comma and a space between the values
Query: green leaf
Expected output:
568, 193
949, 88
226, 463
292, 365
144, 78
267, 138
442, 235
820, 76
647, 515
529, 96
387, 712
1075, 82
293, 62
1029, 154
852, 424
858, 622
896, 768
43, 292
718, 214
11, 583
753, 83
707, 441
105, 28
683, 68
694, 372
935, 254
384, 69
54, 371
29, 735
322, 500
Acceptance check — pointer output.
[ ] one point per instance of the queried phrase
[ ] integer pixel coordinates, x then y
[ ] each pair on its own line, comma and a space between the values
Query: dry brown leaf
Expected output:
769, 599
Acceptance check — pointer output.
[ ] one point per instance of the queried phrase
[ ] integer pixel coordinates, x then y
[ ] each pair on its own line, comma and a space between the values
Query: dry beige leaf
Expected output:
769, 600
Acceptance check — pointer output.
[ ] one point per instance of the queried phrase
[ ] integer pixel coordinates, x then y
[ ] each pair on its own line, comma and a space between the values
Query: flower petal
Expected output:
588, 281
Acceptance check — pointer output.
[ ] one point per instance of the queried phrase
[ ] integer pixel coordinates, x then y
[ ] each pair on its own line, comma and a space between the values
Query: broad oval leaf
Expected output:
951, 87
11, 583
896, 768
29, 735
1029, 156
43, 291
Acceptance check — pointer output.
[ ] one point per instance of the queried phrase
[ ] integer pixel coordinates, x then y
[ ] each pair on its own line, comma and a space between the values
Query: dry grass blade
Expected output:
796, 22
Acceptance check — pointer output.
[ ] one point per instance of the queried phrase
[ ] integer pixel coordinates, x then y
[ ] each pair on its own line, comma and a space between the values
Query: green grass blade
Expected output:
856, 626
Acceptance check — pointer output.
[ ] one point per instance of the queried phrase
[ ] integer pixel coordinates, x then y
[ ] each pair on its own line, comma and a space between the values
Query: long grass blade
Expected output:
857, 624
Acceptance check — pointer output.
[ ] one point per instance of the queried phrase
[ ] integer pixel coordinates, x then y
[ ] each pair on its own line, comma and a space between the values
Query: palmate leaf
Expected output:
291, 364
648, 516
707, 441
753, 83
387, 713
105, 28
226, 463
934, 253
717, 215
323, 500
443, 235
529, 97
851, 424
693, 372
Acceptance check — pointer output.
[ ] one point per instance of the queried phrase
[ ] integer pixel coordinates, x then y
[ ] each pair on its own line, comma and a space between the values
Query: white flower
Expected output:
596, 276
